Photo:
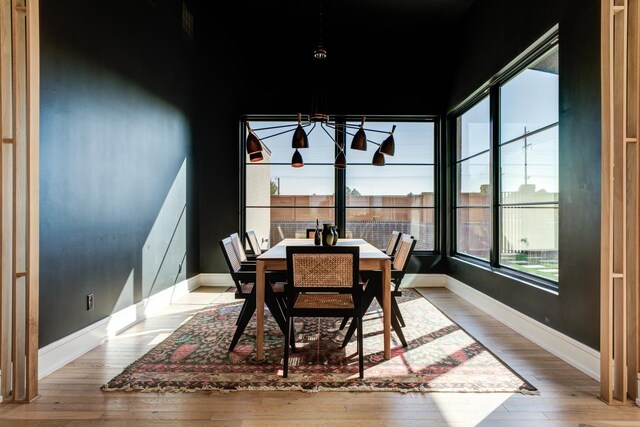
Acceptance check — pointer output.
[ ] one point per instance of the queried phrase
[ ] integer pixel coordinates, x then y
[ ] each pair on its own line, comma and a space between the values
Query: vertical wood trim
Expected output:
620, 203
633, 167
19, 190
606, 320
33, 191
7, 274
6, 101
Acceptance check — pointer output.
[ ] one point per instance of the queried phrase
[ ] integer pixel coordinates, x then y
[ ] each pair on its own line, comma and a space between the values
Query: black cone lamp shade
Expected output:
256, 157
253, 145
300, 139
378, 158
341, 161
388, 146
296, 160
360, 139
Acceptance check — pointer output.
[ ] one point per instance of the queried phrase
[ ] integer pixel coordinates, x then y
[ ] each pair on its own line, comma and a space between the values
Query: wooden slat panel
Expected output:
33, 182
20, 189
606, 294
6, 95
619, 340
632, 270
633, 177
6, 271
619, 201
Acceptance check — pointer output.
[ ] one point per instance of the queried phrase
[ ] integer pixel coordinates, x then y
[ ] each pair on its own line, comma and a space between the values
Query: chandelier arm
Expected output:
332, 138
278, 134
353, 134
275, 127
367, 129
309, 133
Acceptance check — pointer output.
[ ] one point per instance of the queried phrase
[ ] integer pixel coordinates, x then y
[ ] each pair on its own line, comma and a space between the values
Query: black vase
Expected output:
327, 235
317, 237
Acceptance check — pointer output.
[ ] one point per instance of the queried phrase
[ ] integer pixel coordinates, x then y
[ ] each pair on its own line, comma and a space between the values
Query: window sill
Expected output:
522, 278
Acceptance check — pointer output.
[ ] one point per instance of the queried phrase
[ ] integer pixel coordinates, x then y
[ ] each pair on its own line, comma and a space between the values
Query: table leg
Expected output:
260, 283
386, 306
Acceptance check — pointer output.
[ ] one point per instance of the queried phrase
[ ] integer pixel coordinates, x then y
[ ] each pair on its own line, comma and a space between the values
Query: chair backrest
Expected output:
237, 246
324, 269
403, 254
254, 243
231, 258
393, 242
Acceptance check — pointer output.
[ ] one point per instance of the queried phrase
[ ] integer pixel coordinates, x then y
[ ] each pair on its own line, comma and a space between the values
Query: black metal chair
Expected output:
373, 289
392, 246
240, 252
254, 243
244, 278
323, 282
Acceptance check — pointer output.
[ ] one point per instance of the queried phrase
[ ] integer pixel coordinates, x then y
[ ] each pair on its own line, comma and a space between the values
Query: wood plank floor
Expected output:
71, 395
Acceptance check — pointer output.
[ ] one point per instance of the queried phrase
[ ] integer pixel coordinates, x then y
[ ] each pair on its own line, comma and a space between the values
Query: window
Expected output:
507, 214
282, 201
529, 169
365, 201
473, 201
398, 196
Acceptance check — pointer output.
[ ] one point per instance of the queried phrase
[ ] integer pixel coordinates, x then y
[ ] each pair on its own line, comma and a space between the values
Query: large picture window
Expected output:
529, 169
473, 200
398, 196
282, 201
507, 186
365, 201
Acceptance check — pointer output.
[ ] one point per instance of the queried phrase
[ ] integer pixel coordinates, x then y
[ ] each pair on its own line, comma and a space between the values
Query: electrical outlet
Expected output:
90, 302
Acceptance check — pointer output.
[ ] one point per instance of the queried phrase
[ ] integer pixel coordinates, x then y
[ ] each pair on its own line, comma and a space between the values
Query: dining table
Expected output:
275, 259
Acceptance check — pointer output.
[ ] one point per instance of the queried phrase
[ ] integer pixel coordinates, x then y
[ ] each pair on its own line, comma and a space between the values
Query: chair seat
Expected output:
247, 288
278, 287
324, 301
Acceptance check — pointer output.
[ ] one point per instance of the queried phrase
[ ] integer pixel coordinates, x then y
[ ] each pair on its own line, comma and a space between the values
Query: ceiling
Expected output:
389, 14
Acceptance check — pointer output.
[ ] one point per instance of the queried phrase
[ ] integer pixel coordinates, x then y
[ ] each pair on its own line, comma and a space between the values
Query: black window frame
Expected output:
492, 90
340, 177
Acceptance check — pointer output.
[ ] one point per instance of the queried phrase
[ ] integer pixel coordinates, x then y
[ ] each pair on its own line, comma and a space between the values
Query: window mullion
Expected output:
494, 118
340, 184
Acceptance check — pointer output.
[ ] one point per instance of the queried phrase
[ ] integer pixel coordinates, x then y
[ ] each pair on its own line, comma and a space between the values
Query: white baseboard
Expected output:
566, 348
63, 351
215, 279
59, 353
424, 280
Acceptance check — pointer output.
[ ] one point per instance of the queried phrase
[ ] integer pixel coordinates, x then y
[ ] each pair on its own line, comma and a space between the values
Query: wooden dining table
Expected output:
371, 258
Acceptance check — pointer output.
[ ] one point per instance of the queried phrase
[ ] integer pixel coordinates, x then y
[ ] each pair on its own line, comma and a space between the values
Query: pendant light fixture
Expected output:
360, 139
319, 118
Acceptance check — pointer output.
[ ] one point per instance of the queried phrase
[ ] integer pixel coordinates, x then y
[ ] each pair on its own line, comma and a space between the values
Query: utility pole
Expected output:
526, 146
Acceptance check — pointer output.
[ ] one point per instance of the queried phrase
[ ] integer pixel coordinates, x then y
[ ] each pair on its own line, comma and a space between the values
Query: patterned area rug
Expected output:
440, 357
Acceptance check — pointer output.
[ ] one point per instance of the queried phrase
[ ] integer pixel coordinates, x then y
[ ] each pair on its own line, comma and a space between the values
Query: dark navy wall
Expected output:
494, 32
257, 59
117, 172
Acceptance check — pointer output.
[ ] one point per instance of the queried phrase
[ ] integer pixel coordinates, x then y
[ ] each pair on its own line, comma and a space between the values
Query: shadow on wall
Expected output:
163, 255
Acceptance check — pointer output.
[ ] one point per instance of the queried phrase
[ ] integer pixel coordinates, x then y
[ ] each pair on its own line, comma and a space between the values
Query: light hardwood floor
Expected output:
71, 396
